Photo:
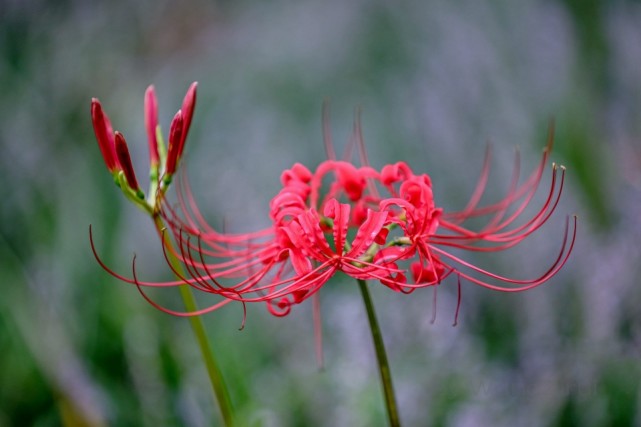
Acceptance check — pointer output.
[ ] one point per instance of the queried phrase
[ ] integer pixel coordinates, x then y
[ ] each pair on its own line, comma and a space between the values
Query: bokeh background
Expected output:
436, 80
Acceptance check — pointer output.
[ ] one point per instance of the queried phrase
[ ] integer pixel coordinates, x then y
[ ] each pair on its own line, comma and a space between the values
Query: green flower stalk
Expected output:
163, 165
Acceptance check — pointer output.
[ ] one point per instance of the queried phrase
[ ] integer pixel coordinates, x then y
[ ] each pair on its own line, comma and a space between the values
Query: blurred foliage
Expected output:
435, 81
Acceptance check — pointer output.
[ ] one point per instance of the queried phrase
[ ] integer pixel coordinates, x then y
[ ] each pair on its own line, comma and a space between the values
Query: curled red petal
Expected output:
351, 180
427, 273
367, 233
298, 172
339, 212
391, 174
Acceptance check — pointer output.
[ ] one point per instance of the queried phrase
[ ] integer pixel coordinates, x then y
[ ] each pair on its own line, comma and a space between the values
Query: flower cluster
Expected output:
163, 161
371, 224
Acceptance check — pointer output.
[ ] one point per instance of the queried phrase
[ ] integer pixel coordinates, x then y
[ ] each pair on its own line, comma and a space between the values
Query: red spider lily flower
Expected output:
401, 237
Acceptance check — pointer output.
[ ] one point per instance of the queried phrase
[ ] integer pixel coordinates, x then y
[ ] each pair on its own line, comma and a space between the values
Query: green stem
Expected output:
215, 375
381, 356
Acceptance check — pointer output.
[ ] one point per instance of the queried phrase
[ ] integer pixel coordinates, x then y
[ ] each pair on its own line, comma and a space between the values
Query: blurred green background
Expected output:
436, 80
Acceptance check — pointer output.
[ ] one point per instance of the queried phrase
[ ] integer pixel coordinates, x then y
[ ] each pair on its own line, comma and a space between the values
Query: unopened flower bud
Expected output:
125, 162
104, 135
175, 138
151, 123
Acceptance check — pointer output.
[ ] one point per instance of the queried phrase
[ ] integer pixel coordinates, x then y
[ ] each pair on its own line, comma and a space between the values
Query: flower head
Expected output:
374, 224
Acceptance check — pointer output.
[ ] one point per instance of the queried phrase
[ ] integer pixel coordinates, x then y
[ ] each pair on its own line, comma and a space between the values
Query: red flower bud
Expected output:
104, 135
151, 123
125, 162
189, 103
175, 137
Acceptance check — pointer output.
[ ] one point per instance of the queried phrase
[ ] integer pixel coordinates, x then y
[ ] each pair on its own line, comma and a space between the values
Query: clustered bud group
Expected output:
163, 161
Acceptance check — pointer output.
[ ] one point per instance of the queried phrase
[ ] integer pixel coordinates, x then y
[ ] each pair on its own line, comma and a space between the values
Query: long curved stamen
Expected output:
327, 132
174, 312
561, 259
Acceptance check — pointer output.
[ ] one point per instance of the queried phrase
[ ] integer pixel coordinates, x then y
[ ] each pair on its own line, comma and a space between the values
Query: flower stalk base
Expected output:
213, 371
381, 357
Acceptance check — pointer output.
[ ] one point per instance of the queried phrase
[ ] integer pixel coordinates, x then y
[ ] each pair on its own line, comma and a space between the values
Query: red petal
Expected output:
339, 212
367, 233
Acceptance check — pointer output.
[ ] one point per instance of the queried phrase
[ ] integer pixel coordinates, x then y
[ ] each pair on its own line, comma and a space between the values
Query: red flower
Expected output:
401, 237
